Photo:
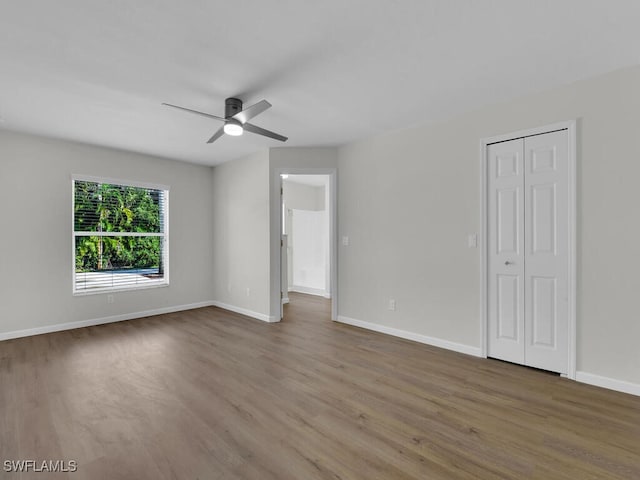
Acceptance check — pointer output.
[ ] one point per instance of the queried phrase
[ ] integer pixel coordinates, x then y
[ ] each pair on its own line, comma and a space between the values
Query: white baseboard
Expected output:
99, 321
607, 382
416, 337
308, 290
244, 311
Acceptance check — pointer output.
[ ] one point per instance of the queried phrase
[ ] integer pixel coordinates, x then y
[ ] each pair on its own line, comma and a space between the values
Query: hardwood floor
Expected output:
209, 394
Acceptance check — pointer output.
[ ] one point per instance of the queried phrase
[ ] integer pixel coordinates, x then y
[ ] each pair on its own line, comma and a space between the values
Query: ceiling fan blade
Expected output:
248, 113
261, 131
216, 135
195, 111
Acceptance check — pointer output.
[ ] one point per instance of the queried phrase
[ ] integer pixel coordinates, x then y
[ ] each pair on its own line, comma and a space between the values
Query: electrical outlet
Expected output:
472, 240
110, 299
248, 292
392, 304
345, 241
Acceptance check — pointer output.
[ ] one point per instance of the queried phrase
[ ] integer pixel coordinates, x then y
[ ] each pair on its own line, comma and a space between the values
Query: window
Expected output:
120, 238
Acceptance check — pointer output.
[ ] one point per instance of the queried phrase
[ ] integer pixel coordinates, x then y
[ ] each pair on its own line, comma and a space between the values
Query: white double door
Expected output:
528, 251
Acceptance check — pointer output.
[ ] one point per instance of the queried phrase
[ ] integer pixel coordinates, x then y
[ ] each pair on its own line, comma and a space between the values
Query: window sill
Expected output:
129, 288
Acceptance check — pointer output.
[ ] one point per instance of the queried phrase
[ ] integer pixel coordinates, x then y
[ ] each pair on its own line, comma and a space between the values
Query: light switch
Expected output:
345, 241
392, 304
472, 240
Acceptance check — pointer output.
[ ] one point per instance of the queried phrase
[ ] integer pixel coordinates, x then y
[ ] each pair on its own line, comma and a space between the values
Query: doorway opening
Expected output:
306, 247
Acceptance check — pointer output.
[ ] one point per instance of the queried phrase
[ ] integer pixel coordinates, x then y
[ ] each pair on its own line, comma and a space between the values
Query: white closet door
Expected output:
528, 251
505, 250
546, 251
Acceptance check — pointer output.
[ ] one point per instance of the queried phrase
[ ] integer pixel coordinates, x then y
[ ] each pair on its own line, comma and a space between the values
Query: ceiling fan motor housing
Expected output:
232, 106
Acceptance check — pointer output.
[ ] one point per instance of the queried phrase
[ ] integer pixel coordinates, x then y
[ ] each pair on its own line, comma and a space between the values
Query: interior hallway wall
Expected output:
309, 242
240, 212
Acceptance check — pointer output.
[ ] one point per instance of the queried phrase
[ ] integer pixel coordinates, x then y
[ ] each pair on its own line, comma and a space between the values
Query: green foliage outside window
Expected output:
119, 209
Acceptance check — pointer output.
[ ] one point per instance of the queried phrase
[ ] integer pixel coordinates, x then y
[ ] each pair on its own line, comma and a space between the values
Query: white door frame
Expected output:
570, 126
333, 227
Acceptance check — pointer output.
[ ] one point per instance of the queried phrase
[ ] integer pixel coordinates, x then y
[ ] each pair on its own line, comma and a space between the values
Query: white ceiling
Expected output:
335, 71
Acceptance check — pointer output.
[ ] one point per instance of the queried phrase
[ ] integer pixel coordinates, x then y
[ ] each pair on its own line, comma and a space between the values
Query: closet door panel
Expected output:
546, 251
505, 250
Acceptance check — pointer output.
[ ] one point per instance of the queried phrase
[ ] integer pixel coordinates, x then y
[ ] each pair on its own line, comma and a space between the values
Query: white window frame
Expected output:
74, 234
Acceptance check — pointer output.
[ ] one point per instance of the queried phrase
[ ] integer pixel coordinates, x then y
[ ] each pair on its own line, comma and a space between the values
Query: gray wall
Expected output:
240, 212
409, 198
36, 264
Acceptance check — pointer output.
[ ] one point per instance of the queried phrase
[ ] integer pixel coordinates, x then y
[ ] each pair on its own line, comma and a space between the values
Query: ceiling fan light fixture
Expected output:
236, 120
232, 128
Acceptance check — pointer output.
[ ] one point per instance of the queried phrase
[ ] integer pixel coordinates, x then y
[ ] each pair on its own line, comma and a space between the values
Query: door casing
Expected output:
276, 232
570, 126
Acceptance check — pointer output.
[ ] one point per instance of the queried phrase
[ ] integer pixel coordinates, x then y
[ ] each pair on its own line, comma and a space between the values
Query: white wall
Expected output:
36, 264
241, 247
409, 198
309, 244
301, 196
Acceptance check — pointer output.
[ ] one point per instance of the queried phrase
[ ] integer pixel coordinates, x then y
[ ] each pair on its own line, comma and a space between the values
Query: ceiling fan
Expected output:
236, 120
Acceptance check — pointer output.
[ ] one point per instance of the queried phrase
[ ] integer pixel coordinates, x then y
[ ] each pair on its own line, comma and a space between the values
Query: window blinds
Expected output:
120, 238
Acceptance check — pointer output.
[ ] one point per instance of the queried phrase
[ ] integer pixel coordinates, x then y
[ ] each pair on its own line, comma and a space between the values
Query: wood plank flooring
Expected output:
209, 394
